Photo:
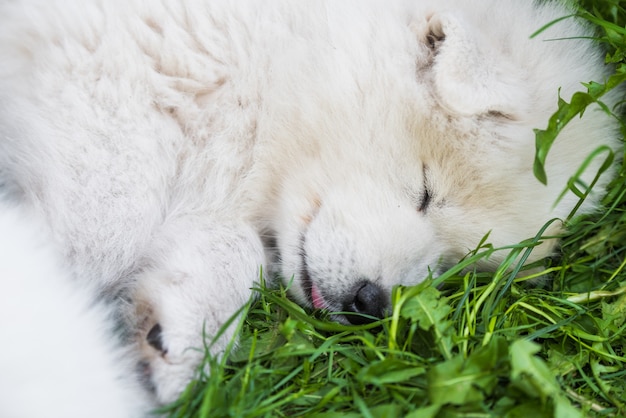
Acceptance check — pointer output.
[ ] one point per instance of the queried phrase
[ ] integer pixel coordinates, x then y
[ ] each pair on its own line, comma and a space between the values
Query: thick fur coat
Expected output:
173, 148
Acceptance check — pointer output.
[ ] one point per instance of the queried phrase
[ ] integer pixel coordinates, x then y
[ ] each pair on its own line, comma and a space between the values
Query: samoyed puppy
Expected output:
174, 148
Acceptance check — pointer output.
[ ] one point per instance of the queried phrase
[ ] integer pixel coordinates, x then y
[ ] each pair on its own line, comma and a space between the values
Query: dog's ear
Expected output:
470, 75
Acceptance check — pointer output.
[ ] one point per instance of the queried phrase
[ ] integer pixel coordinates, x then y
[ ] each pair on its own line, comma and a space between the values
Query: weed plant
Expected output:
465, 344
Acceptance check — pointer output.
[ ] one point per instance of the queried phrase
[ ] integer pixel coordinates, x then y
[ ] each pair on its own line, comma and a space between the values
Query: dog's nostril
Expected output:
368, 299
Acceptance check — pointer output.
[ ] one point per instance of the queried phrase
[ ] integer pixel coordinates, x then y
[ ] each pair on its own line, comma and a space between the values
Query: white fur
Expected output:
56, 359
168, 144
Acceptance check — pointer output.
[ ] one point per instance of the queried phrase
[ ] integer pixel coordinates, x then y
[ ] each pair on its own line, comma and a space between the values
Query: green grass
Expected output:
479, 345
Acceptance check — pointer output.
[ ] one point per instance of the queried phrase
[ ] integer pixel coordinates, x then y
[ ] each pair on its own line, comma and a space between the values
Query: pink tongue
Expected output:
317, 299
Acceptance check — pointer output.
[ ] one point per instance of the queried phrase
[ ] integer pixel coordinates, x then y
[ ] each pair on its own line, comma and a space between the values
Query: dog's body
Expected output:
174, 147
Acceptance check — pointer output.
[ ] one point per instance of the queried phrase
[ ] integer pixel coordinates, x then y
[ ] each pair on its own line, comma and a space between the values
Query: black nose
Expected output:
366, 298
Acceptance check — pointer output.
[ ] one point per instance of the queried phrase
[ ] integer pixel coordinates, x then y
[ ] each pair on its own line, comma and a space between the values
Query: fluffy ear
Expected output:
471, 75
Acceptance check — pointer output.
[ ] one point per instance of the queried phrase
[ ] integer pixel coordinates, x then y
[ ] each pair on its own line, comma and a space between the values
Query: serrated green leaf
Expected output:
565, 113
427, 308
529, 373
430, 310
532, 375
467, 380
614, 313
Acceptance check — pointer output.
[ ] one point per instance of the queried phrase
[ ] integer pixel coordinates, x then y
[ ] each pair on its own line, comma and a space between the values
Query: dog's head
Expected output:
405, 152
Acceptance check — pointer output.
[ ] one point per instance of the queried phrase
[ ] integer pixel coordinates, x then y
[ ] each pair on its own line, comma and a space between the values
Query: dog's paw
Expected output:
167, 368
192, 288
175, 319
169, 345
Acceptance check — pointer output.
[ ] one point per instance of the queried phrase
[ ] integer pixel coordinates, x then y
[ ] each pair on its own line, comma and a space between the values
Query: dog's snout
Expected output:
367, 298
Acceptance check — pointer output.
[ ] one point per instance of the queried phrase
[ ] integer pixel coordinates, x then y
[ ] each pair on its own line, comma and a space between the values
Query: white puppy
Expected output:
175, 147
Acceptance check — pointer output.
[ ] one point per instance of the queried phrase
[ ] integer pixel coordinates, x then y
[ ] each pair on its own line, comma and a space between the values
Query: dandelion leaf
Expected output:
430, 310
532, 376
462, 380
